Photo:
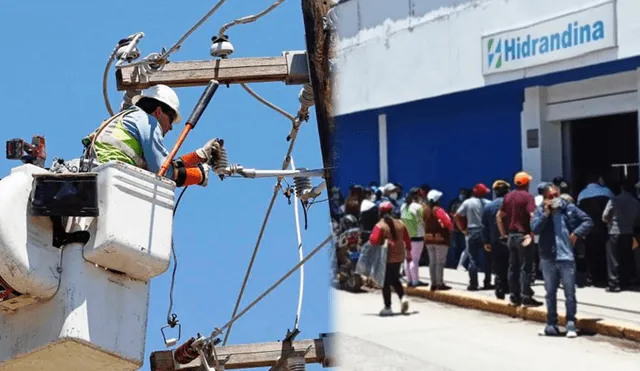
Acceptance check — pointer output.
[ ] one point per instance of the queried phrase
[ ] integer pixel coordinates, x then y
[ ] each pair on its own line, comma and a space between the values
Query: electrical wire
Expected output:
300, 253
267, 103
171, 318
178, 44
248, 19
218, 331
263, 227
105, 79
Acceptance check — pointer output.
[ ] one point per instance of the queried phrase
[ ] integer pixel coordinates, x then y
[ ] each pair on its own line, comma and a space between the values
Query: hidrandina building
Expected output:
453, 92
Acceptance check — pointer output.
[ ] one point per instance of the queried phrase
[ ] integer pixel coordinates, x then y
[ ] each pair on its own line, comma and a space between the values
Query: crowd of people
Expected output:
513, 239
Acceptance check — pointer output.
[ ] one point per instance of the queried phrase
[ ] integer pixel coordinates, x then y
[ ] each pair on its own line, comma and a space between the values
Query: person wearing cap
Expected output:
411, 215
136, 136
437, 237
491, 238
518, 207
560, 225
471, 210
399, 249
391, 193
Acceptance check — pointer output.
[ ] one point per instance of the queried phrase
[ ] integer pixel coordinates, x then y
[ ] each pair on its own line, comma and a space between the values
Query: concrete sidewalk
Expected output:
612, 314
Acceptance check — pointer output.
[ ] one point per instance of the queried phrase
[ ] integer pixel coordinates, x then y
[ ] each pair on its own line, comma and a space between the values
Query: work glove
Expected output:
210, 152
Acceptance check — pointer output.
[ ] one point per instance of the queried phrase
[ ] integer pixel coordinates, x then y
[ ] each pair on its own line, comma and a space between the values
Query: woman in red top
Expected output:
399, 249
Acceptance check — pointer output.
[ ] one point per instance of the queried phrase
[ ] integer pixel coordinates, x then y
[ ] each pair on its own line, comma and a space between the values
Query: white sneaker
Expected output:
405, 305
571, 330
549, 331
386, 312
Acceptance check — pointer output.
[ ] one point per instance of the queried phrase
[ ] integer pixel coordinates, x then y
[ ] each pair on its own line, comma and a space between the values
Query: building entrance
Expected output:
607, 145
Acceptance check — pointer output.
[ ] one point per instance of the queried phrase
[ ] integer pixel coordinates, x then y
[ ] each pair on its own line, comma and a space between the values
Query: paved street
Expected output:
435, 336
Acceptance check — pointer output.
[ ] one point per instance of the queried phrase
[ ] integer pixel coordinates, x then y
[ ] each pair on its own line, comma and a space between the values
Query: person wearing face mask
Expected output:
593, 200
411, 215
437, 232
560, 225
391, 194
399, 249
368, 213
471, 210
458, 249
491, 237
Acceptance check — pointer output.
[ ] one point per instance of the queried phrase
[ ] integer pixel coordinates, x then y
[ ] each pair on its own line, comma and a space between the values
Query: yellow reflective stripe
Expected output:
116, 137
107, 152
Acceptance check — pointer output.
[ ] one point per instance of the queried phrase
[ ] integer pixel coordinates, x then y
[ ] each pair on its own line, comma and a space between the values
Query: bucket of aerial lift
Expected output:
133, 233
28, 260
91, 299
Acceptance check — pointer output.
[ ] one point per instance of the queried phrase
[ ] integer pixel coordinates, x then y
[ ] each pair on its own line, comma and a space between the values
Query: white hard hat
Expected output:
164, 94
434, 195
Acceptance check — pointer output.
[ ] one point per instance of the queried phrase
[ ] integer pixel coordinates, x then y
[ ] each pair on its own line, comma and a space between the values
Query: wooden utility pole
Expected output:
319, 50
292, 68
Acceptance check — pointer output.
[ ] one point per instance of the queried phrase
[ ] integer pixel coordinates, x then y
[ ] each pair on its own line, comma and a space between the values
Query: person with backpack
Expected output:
560, 225
437, 236
393, 232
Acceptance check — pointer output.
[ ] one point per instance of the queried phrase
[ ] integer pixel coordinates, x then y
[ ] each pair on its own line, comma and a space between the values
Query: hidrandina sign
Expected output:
567, 36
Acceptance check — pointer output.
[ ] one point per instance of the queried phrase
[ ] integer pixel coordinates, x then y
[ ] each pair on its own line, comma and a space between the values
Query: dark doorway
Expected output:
597, 143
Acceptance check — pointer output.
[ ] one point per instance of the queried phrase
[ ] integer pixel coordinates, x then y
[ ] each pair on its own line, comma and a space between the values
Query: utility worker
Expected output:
136, 136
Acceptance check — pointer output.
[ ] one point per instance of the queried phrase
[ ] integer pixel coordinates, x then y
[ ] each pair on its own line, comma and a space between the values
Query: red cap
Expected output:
480, 190
385, 207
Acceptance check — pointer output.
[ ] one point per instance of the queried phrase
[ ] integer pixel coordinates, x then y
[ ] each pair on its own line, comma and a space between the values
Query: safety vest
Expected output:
115, 143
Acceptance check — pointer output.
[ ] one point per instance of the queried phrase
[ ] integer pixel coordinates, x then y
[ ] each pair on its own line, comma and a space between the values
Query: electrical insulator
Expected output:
302, 185
296, 363
184, 353
222, 165
221, 47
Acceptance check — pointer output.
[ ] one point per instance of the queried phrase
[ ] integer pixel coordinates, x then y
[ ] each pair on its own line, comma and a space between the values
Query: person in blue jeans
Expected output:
559, 224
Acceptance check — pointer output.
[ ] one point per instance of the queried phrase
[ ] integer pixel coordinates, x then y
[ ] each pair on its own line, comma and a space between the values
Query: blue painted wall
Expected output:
357, 151
450, 141
449, 145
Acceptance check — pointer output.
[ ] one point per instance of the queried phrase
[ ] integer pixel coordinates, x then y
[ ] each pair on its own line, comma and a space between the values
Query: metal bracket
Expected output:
297, 67
328, 342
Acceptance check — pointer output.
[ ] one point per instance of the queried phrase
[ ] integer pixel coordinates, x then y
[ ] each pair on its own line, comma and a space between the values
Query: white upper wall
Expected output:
395, 51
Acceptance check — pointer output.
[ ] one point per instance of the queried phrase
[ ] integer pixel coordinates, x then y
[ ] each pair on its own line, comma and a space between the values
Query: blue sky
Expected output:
54, 56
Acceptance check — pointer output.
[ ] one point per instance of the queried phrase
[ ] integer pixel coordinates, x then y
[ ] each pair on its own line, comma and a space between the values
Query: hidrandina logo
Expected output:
494, 53
501, 51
